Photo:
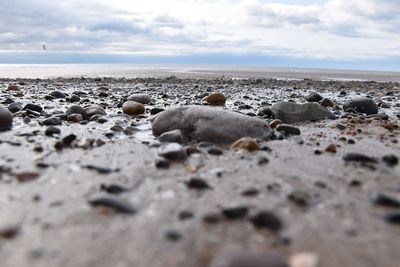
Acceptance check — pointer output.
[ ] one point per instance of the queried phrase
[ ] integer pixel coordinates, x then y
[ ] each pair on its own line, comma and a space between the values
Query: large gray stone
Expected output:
291, 112
362, 105
6, 119
201, 123
140, 98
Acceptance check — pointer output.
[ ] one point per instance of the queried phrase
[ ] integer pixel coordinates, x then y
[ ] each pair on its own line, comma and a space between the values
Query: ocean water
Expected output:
43, 71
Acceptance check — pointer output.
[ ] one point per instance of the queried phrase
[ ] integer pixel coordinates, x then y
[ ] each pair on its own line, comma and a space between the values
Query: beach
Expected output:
95, 185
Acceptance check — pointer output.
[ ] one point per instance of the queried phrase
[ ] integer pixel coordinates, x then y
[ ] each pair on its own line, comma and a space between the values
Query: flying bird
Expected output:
44, 47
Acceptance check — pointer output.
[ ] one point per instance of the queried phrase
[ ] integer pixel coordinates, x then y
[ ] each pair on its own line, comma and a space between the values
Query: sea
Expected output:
50, 71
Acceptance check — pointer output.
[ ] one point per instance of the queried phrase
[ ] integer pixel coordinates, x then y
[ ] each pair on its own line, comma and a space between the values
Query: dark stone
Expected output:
314, 97
95, 110
174, 136
99, 169
57, 94
197, 183
359, 158
215, 151
258, 261
33, 107
6, 119
162, 164
74, 98
172, 151
75, 109
385, 200
251, 192
235, 213
110, 201
15, 107
362, 105
185, 215
52, 121
393, 217
156, 110
173, 235
268, 220
113, 188
390, 160
300, 198
51, 130
288, 129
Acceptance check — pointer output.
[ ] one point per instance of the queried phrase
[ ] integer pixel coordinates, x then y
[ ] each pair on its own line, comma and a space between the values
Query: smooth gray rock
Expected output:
6, 119
288, 129
140, 98
95, 110
75, 109
172, 151
291, 112
174, 136
202, 123
362, 105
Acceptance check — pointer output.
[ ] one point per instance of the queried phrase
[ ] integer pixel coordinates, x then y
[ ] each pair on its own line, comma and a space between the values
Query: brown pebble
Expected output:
273, 124
331, 148
23, 177
216, 99
247, 143
133, 108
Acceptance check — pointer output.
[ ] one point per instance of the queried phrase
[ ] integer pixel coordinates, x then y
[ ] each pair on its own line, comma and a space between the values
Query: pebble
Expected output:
331, 148
359, 157
172, 151
215, 151
390, 160
33, 107
216, 99
51, 130
94, 110
393, 217
13, 87
246, 143
257, 261
75, 109
140, 98
326, 102
15, 107
76, 118
273, 124
133, 108
385, 200
74, 98
314, 97
113, 202
52, 121
28, 176
251, 192
288, 129
57, 94
113, 188
362, 105
6, 119
235, 213
156, 110
201, 123
174, 136
197, 183
268, 220
300, 198
162, 164
291, 112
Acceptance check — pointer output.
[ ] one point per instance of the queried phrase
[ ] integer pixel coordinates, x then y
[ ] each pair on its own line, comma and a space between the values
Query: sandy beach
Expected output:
86, 181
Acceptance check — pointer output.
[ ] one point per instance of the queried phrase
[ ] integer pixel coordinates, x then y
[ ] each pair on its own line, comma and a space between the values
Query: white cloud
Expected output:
336, 28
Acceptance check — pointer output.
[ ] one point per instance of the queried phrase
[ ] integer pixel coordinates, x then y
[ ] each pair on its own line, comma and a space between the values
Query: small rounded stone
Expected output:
246, 143
216, 99
6, 119
133, 108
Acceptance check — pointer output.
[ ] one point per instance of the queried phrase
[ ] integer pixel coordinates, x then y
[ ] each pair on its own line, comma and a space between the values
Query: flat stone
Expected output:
75, 109
50, 131
326, 102
268, 220
257, 261
235, 213
95, 110
52, 121
110, 201
291, 112
57, 94
314, 97
140, 98
174, 136
359, 157
288, 129
210, 124
133, 108
385, 200
172, 151
33, 107
13, 87
362, 105
246, 143
6, 119
15, 107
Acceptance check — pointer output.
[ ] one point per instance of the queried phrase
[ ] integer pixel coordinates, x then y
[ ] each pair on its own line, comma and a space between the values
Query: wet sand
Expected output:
54, 225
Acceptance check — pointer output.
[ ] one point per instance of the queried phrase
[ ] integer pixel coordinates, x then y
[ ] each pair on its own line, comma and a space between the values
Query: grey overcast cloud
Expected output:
334, 30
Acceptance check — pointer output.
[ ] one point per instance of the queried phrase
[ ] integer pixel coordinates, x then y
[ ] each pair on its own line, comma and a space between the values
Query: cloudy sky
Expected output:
362, 34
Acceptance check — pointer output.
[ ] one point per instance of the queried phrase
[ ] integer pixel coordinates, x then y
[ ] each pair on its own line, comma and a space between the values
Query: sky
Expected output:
349, 34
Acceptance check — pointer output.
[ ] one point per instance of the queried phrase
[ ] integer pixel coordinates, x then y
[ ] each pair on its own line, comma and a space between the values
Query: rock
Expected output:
50, 131
23, 177
33, 107
202, 123
268, 220
9, 231
197, 183
156, 110
273, 124
331, 148
133, 108
258, 261
113, 202
215, 151
74, 98
266, 111
173, 235
77, 118
52, 121
386, 201
251, 192
15, 107
390, 160
174, 136
235, 213
140, 98
300, 198
75, 109
172, 151
288, 129
246, 143
326, 102
162, 164
57, 94
13, 87
216, 99
393, 217
94, 110
359, 157
314, 97
362, 105
6, 119
291, 112
113, 188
